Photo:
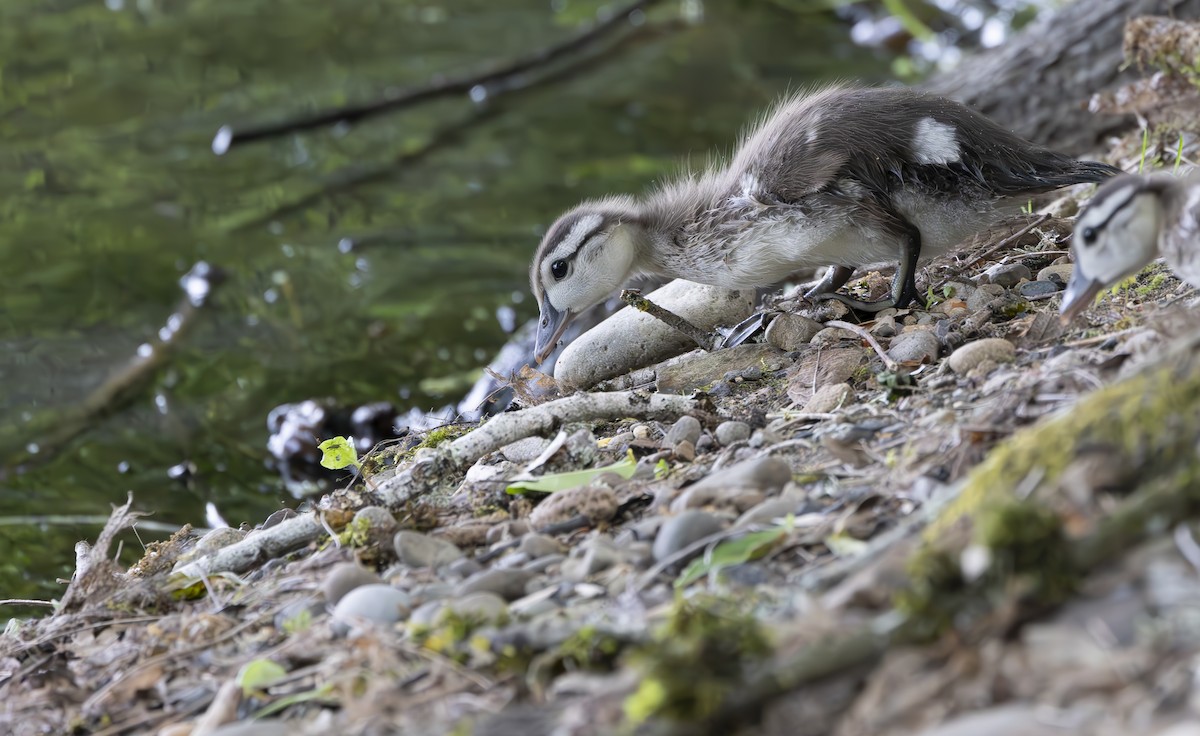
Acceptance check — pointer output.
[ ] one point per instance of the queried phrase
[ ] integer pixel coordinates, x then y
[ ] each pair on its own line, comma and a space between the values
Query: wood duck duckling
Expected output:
844, 177
1129, 222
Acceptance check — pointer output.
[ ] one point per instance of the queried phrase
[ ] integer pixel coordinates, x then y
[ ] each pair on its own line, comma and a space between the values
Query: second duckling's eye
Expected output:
1089, 235
558, 270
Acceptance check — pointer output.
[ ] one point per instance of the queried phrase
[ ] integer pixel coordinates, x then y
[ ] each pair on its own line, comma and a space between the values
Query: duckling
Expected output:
1128, 223
843, 177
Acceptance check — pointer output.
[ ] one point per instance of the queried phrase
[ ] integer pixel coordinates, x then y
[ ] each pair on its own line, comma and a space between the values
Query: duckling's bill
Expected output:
551, 325
1081, 291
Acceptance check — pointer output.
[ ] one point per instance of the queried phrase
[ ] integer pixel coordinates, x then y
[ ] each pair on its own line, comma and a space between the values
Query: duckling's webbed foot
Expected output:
904, 283
834, 279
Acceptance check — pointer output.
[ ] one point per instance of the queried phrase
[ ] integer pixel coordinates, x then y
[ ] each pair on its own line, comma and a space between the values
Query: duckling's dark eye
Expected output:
1089, 235
558, 270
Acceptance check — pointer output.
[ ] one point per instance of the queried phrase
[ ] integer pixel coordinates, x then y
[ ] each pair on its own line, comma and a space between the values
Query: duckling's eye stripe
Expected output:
1114, 206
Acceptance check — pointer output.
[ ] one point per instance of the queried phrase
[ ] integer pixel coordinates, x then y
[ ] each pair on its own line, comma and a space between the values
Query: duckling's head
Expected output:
585, 256
1115, 236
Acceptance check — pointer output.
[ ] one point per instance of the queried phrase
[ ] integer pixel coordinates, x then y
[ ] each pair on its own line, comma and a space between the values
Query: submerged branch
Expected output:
480, 85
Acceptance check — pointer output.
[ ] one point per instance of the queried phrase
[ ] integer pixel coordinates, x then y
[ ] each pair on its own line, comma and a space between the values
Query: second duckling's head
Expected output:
1115, 236
586, 255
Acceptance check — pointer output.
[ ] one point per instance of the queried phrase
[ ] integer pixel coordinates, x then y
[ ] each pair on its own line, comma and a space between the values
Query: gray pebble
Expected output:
479, 606
995, 349
378, 603
379, 523
508, 584
983, 296
1007, 274
767, 474
1038, 288
540, 545
918, 346
685, 429
767, 512
1059, 273
681, 531
421, 550
345, 577
463, 567
790, 332
829, 397
598, 555
885, 326
597, 503
730, 432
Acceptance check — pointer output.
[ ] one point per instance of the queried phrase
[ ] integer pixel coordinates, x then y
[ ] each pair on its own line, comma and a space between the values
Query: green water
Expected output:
109, 192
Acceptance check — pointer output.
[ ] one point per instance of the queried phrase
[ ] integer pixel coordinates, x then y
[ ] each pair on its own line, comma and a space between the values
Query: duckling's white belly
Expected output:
1180, 239
771, 250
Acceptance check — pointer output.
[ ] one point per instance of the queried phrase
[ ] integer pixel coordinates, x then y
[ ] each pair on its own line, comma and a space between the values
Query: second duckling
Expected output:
845, 177
1128, 223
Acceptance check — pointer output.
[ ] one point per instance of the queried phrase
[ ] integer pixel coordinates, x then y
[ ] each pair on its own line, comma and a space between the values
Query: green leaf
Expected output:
338, 453
730, 553
575, 478
325, 692
257, 675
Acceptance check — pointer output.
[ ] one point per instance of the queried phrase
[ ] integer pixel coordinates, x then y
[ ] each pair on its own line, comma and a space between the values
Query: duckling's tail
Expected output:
1090, 172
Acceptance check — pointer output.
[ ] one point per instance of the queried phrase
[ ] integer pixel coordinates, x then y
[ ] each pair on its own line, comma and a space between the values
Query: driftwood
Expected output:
442, 465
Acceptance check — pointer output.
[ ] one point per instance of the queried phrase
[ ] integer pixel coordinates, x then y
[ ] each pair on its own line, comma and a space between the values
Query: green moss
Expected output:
696, 658
1151, 419
440, 435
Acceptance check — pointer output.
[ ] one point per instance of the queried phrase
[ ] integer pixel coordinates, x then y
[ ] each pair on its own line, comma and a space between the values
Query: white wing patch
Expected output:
935, 143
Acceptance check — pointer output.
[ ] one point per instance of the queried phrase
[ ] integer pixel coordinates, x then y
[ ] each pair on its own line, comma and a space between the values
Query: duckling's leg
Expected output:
834, 279
904, 283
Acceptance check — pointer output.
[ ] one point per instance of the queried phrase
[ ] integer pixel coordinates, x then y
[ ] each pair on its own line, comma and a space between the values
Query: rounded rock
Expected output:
481, 607
983, 296
540, 545
508, 584
596, 503
421, 550
678, 532
790, 332
918, 346
767, 512
1038, 288
1058, 273
994, 349
1008, 274
686, 429
379, 523
729, 432
829, 397
381, 604
631, 339
345, 577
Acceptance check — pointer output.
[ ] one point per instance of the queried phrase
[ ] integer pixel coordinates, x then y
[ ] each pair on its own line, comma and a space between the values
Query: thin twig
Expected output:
478, 84
634, 298
1011, 239
888, 363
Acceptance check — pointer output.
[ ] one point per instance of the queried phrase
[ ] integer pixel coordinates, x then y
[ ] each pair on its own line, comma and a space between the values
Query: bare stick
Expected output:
888, 363
634, 298
478, 84
997, 247
443, 465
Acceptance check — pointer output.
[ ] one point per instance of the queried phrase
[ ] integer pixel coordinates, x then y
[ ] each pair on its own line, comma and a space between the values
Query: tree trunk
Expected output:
1039, 82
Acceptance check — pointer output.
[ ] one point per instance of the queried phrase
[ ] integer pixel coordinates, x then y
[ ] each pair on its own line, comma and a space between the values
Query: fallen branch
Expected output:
443, 464
480, 85
634, 298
